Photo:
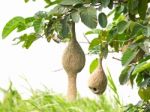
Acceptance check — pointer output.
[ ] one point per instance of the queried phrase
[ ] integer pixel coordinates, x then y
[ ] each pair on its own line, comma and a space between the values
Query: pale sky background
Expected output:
38, 63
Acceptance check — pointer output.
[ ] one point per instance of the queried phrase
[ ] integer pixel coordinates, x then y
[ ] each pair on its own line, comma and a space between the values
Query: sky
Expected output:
41, 63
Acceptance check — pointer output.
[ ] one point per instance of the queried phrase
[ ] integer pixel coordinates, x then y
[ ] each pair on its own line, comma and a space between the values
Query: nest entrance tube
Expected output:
72, 89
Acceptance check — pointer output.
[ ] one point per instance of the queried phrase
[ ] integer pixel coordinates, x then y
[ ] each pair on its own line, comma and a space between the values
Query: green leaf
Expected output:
115, 45
125, 74
145, 58
26, 39
142, 8
144, 93
47, 1
41, 15
105, 3
93, 65
71, 2
129, 55
118, 10
94, 31
146, 31
138, 39
122, 38
141, 67
38, 25
95, 42
133, 6
110, 6
122, 26
75, 16
132, 25
58, 10
139, 80
12, 25
50, 2
112, 34
145, 83
102, 19
136, 29
88, 17
26, 1
28, 23
65, 27
29, 20
132, 77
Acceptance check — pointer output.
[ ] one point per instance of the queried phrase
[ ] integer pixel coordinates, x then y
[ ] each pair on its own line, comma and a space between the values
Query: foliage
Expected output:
141, 106
129, 31
114, 89
102, 19
46, 101
93, 65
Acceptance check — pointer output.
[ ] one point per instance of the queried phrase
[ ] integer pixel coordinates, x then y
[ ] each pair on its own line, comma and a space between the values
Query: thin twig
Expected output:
86, 38
57, 70
84, 42
116, 58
